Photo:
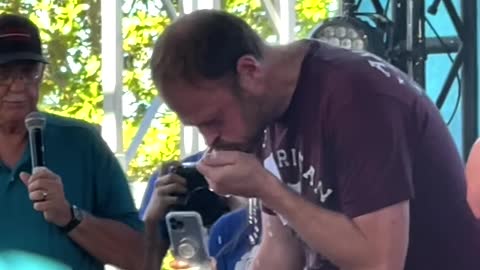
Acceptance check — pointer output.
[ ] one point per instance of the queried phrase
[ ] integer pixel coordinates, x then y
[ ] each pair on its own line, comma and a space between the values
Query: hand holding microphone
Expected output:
45, 188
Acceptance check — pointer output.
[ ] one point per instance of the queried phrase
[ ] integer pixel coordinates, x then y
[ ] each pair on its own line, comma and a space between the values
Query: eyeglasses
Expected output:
29, 73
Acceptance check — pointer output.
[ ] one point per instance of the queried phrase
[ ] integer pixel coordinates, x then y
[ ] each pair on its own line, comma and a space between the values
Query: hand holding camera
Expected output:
169, 191
199, 198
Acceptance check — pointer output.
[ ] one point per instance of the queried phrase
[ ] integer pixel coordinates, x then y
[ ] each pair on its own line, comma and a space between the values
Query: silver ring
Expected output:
44, 194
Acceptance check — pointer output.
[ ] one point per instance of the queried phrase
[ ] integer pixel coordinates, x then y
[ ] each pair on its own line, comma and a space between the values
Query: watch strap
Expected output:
74, 221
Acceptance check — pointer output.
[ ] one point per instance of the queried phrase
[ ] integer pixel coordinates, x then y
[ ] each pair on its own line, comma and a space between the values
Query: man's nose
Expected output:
18, 84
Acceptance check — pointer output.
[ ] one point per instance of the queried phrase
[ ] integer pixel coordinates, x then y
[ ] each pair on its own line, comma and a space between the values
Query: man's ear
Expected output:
249, 71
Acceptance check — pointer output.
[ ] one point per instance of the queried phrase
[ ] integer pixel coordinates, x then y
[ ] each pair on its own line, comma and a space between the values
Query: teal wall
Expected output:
438, 66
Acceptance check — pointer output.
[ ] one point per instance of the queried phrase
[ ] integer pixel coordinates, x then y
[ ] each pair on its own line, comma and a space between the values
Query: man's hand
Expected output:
236, 173
45, 189
165, 194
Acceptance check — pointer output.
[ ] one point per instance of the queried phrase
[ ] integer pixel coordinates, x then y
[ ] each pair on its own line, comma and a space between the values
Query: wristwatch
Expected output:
77, 217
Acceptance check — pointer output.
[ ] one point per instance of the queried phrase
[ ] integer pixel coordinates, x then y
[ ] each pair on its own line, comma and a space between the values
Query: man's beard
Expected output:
252, 114
251, 142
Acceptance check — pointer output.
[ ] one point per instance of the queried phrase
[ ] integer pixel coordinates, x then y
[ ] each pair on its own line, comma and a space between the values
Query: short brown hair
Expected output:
205, 44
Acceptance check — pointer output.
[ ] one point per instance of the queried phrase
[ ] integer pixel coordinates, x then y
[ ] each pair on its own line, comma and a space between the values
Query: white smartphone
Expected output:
188, 238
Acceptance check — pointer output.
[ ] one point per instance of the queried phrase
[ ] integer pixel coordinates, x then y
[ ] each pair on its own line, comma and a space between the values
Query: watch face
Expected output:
77, 213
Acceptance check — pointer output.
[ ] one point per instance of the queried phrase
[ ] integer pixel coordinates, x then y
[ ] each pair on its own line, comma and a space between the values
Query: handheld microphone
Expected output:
35, 123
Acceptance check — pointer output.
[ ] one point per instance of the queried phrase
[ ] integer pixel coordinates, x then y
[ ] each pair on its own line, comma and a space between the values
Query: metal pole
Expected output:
415, 44
452, 75
457, 21
273, 15
470, 75
450, 44
287, 21
112, 67
399, 15
142, 130
348, 8
170, 9
377, 5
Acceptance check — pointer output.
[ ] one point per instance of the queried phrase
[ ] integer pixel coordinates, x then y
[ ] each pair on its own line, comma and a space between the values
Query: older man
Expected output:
357, 161
78, 210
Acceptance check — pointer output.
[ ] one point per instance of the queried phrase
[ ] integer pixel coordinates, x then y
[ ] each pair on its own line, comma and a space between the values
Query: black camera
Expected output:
199, 198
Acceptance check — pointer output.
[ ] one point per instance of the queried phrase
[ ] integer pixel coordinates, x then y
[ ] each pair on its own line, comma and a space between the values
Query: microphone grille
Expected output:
35, 120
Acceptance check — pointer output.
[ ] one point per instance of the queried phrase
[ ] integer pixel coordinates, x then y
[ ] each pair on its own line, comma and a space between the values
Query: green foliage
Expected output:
142, 24
253, 13
310, 13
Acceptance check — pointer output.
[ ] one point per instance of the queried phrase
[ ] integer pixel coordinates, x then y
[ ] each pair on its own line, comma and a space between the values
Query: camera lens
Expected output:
175, 224
186, 250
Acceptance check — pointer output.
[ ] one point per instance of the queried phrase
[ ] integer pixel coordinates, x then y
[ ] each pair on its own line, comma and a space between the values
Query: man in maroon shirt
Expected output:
359, 170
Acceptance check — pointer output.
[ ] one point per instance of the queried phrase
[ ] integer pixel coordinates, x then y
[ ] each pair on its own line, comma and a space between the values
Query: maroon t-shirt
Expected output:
359, 136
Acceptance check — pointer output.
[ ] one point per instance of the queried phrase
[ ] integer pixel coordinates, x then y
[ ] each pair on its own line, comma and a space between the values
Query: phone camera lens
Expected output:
176, 224
186, 250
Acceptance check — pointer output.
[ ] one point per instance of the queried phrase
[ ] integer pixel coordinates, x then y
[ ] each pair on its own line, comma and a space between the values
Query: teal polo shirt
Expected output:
92, 179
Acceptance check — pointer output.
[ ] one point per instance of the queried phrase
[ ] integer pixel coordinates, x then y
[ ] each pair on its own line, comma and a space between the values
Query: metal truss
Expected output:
410, 49
409, 17
112, 84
